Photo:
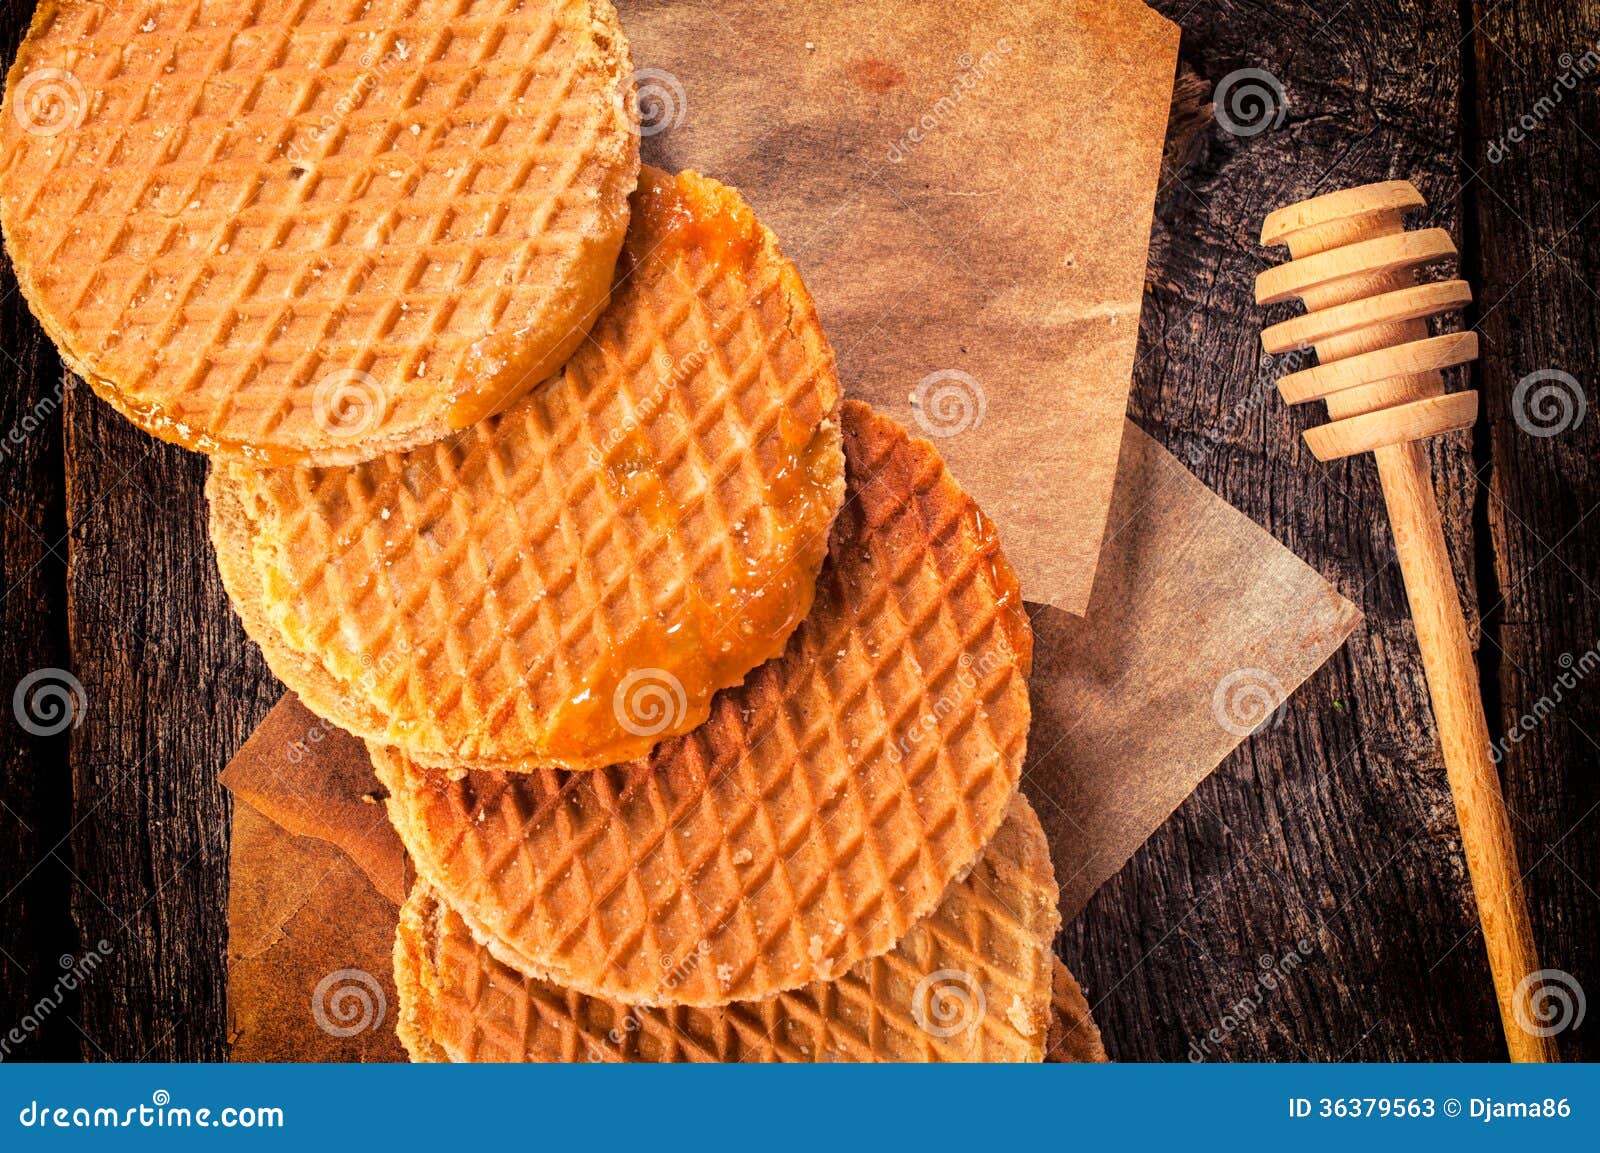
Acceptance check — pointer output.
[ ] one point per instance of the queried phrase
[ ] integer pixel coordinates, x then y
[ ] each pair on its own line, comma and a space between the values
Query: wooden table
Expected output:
1331, 836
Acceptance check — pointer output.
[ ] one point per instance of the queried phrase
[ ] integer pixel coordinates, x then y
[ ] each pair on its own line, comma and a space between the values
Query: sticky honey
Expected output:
658, 677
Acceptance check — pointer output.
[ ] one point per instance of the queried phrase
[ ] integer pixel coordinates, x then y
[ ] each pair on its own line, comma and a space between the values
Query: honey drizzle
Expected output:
684, 656
680, 658
1010, 612
674, 217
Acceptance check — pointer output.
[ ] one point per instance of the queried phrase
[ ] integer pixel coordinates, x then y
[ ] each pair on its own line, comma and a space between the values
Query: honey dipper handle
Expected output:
1464, 734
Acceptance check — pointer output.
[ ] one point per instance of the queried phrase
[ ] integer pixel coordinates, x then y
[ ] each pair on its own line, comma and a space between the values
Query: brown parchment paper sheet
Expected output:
965, 186
1125, 724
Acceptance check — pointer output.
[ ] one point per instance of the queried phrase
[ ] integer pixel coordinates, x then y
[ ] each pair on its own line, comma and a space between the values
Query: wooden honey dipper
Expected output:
1354, 265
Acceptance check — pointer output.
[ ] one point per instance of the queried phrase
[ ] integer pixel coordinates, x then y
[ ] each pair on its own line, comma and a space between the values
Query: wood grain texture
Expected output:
1535, 213
1331, 838
35, 928
1334, 828
177, 689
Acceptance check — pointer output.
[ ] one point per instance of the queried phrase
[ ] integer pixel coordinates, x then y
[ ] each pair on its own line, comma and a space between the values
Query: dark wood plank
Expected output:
35, 927
1536, 203
1330, 839
177, 691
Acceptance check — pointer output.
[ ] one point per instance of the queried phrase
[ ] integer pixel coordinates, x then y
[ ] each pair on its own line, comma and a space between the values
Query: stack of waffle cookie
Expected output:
698, 693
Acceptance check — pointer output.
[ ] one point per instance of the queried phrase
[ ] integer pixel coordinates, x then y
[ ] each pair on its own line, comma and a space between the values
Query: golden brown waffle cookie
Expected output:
1073, 1035
569, 583
972, 982
316, 232
819, 813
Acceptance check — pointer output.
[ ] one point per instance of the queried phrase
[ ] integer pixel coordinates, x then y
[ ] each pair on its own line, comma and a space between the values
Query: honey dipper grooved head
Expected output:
569, 583
1366, 316
812, 820
279, 234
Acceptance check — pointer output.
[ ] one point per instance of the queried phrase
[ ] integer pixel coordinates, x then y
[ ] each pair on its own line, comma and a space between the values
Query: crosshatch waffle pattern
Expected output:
459, 599
216, 208
819, 813
971, 982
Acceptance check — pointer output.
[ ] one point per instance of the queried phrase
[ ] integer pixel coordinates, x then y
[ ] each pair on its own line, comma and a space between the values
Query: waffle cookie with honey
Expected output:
316, 232
971, 982
570, 582
817, 815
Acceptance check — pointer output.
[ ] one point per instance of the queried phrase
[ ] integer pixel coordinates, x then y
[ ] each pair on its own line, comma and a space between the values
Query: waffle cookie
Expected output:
570, 582
821, 811
316, 232
972, 982
1073, 1036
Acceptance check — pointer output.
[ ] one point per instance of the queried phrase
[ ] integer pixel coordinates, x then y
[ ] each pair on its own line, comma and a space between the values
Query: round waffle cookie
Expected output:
316, 232
570, 582
817, 815
971, 982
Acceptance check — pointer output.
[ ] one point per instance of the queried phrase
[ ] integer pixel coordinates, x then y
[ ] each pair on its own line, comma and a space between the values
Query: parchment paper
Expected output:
967, 188
1196, 613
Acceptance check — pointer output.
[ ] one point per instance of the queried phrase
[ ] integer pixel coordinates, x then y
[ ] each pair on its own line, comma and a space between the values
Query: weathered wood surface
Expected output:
35, 928
174, 690
1532, 213
1334, 828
